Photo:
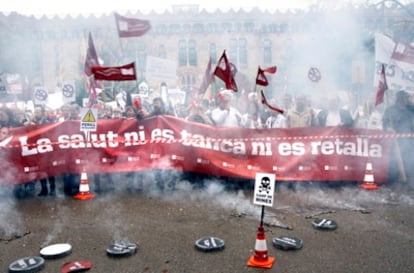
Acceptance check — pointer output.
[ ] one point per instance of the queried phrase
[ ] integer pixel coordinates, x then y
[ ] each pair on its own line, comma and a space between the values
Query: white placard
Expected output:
264, 188
162, 70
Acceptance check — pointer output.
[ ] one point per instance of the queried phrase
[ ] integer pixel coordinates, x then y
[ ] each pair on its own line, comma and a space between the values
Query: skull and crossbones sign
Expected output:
265, 185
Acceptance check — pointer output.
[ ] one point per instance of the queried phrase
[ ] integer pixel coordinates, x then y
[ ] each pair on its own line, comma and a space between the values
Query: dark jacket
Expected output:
345, 115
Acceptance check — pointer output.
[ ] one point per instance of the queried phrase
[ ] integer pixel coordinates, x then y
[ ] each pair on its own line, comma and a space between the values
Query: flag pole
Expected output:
255, 81
136, 78
400, 162
119, 37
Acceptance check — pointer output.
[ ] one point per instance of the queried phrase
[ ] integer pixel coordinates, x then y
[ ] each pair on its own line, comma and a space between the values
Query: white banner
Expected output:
162, 70
397, 78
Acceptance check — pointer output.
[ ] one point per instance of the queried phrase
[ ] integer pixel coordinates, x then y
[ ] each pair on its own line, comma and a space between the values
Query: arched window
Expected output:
232, 53
212, 51
211, 28
192, 53
198, 28
187, 53
238, 51
267, 51
162, 52
249, 26
175, 29
182, 53
242, 51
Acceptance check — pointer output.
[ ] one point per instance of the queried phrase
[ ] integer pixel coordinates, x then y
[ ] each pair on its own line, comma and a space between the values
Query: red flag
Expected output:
207, 79
261, 77
131, 27
91, 56
226, 72
264, 101
382, 87
115, 73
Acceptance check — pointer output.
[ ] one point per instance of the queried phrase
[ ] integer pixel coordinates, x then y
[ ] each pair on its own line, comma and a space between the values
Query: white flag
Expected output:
398, 76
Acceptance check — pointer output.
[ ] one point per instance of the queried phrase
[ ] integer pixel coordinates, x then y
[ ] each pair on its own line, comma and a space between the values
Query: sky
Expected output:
47, 7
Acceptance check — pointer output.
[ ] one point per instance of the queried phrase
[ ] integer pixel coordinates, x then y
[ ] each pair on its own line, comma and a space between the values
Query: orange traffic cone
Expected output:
260, 257
369, 181
84, 192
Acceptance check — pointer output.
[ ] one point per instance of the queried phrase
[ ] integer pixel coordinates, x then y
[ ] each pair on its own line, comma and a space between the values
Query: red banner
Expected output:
115, 73
131, 27
164, 142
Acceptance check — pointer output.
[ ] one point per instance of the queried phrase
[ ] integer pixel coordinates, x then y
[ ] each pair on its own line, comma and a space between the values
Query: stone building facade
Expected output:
49, 51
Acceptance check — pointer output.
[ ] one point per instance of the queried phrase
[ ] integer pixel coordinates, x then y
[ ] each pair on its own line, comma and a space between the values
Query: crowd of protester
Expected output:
228, 109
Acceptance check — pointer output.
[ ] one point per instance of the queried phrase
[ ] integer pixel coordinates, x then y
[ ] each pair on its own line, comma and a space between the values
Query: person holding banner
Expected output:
301, 115
71, 181
275, 120
399, 118
225, 115
8, 120
252, 119
335, 115
159, 108
197, 113
39, 117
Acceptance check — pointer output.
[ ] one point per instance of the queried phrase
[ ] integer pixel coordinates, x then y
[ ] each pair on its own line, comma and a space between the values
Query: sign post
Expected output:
263, 195
88, 123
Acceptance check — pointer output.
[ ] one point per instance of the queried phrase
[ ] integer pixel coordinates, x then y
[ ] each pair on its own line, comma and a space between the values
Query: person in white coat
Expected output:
225, 115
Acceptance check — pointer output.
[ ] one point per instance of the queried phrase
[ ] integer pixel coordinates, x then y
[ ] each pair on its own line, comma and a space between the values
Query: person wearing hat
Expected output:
399, 118
225, 115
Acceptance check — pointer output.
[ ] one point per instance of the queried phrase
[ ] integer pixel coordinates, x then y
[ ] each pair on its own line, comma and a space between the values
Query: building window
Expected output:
238, 51
213, 51
182, 53
187, 53
198, 28
161, 29
232, 54
187, 82
238, 27
192, 53
242, 51
211, 28
267, 51
273, 28
249, 26
162, 52
226, 27
175, 29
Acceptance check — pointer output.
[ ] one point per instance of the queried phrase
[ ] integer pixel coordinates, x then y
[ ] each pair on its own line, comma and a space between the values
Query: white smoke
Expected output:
302, 198
10, 220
